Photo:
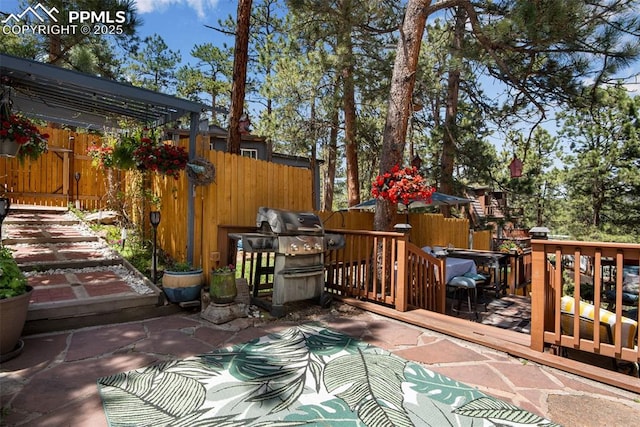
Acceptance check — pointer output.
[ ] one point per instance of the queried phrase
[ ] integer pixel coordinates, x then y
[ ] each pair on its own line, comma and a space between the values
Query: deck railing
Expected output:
596, 279
384, 267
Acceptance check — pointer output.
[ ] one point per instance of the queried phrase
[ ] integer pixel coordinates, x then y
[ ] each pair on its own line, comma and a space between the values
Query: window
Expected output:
249, 152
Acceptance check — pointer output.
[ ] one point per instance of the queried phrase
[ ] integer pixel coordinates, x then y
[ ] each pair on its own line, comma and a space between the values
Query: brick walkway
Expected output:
64, 260
49, 287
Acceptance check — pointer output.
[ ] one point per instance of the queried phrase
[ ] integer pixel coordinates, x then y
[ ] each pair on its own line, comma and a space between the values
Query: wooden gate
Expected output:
50, 180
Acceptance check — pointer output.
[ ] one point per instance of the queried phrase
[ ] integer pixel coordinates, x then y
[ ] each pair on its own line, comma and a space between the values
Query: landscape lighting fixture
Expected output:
154, 218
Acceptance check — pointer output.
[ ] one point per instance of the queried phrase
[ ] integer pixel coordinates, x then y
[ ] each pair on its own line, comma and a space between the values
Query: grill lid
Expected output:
279, 221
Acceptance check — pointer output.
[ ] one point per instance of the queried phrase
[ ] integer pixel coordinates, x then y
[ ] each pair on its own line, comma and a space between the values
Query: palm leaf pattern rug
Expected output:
305, 375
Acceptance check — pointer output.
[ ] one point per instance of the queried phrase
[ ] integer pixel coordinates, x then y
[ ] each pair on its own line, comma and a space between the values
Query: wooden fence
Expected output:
50, 180
426, 229
242, 185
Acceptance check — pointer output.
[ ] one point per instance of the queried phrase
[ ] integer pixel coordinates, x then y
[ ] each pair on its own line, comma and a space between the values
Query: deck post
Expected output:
401, 277
538, 270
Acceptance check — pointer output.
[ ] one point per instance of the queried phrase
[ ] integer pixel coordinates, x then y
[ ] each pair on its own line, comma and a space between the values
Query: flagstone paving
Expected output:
53, 382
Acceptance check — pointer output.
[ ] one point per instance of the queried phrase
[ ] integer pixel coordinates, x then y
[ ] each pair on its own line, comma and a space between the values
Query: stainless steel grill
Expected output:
298, 242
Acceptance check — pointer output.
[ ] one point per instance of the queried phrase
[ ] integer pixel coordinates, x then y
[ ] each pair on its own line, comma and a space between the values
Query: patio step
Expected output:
78, 264
36, 240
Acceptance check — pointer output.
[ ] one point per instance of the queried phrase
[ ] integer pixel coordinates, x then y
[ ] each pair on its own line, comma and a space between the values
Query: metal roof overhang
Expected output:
64, 96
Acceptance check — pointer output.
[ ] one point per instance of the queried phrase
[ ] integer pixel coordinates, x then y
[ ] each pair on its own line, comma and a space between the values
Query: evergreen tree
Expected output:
154, 66
211, 76
603, 176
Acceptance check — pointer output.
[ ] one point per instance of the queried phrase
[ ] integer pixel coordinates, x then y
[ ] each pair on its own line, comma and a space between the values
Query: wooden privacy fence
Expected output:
585, 297
426, 229
241, 186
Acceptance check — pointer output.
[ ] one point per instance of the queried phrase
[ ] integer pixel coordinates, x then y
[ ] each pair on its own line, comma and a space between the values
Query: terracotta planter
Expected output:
223, 288
13, 315
181, 286
8, 148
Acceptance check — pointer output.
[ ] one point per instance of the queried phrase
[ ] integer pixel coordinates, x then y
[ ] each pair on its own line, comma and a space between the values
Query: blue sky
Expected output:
181, 23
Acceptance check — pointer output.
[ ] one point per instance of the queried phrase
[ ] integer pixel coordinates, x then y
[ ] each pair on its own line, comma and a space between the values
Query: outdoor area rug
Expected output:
306, 375
509, 312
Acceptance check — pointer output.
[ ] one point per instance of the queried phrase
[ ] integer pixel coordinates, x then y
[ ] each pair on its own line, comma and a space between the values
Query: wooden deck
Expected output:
513, 343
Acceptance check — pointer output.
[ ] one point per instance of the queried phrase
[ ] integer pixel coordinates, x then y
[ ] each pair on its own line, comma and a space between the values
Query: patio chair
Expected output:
586, 326
467, 285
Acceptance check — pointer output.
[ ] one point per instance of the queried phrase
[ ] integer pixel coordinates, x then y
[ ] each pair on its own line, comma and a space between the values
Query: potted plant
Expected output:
182, 282
14, 303
223, 288
510, 246
20, 137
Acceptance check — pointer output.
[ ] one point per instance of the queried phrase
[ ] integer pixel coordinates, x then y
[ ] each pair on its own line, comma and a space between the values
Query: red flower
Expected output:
401, 185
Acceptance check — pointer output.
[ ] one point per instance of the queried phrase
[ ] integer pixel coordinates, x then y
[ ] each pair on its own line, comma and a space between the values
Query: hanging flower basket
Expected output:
20, 131
401, 185
165, 159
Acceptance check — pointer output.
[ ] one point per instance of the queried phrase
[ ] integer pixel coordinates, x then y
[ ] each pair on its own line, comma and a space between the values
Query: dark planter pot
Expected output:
8, 148
182, 286
223, 288
13, 315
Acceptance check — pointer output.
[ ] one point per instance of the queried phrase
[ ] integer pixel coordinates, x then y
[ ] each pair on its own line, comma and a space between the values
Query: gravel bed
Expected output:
97, 247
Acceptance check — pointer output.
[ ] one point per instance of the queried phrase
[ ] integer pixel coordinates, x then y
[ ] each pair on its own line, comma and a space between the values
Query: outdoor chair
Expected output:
467, 285
607, 323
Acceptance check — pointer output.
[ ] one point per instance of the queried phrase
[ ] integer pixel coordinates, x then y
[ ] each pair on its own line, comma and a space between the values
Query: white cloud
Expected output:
199, 6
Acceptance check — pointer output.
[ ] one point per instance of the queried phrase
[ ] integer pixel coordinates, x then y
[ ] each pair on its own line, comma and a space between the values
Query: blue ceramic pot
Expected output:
190, 293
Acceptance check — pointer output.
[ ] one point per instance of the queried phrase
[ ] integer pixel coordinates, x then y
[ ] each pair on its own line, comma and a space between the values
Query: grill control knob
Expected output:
294, 247
318, 247
307, 247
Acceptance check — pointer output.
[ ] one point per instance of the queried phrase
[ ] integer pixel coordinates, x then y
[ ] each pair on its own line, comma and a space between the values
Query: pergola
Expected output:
68, 97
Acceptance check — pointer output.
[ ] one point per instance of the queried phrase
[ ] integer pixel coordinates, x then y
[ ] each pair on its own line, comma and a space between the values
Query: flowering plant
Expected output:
225, 269
101, 155
401, 185
162, 158
114, 153
22, 130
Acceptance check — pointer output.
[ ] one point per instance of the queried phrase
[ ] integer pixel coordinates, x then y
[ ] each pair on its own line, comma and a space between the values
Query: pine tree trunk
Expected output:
345, 44
331, 153
400, 99
240, 60
450, 126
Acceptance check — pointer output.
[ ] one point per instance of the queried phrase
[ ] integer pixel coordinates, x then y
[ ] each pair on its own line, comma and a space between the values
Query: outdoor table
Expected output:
498, 261
453, 266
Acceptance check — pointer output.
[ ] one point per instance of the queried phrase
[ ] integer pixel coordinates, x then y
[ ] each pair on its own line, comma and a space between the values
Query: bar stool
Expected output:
468, 285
